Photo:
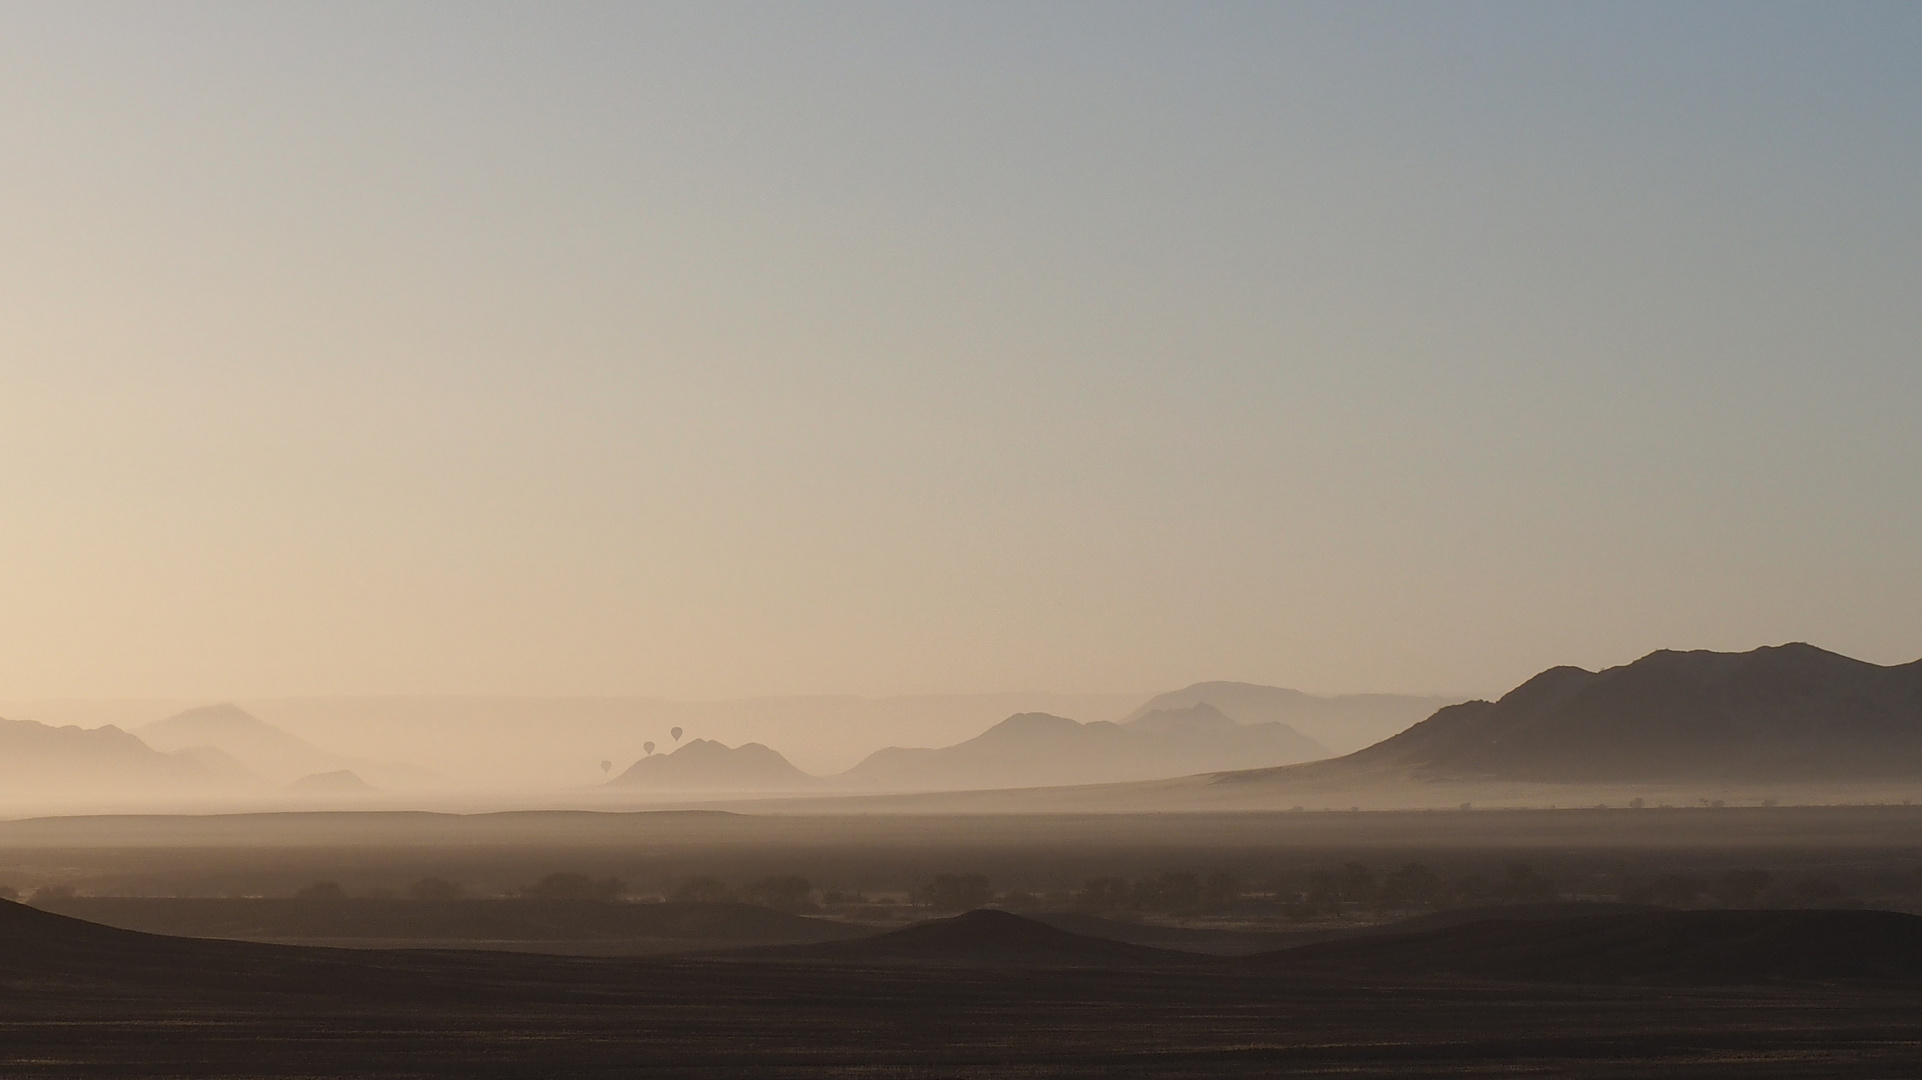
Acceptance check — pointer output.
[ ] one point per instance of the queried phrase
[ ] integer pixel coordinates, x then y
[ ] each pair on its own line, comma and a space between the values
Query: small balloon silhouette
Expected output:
648, 746
676, 733
606, 765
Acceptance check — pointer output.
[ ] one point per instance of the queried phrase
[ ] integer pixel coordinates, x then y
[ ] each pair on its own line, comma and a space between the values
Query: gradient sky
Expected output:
710, 350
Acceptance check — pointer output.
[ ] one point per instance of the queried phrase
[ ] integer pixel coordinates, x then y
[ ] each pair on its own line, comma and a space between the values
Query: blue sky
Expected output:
715, 349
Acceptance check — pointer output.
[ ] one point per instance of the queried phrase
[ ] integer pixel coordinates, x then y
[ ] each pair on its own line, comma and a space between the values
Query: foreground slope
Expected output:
86, 1001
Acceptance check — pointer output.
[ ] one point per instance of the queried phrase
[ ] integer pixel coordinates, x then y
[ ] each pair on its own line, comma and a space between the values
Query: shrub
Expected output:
1103, 894
1738, 887
1521, 884
434, 888
1170, 892
955, 892
702, 889
784, 892
1412, 884
572, 886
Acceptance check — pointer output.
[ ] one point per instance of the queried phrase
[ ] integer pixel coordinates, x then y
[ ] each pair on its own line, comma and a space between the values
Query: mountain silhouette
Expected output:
1038, 749
337, 782
1788, 712
1345, 723
268, 750
86, 762
706, 765
253, 742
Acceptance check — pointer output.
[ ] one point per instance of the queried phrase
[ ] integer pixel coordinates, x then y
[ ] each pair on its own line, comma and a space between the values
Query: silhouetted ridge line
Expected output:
1040, 749
35, 757
1783, 713
1342, 723
707, 765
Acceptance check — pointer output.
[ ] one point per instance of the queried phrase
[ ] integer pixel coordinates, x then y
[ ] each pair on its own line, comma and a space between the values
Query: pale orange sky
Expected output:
708, 351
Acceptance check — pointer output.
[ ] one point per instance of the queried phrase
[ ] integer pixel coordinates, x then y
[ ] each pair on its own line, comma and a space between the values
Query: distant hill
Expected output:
98, 762
265, 749
1345, 723
1790, 712
220, 766
1037, 749
258, 745
338, 782
706, 765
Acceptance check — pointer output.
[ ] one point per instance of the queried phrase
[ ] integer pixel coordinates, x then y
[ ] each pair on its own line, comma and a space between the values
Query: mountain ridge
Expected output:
708, 765
36, 757
1040, 749
267, 749
1790, 712
1343, 723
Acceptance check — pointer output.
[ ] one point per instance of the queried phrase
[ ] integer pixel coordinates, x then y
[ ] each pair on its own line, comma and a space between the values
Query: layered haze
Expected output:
713, 538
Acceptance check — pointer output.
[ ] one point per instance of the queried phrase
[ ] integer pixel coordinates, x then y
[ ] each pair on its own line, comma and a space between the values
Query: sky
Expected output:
712, 350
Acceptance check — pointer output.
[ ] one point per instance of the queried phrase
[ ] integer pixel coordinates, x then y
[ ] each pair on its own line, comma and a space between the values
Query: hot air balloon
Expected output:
649, 747
606, 765
676, 733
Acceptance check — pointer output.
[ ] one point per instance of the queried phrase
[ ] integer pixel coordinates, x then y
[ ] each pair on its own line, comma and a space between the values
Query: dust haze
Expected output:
727, 539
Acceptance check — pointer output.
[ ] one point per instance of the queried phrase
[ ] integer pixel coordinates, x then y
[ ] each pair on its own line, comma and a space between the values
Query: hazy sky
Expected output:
711, 350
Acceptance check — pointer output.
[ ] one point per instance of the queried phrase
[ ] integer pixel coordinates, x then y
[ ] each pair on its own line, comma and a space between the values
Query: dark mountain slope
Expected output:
1791, 712
1708, 947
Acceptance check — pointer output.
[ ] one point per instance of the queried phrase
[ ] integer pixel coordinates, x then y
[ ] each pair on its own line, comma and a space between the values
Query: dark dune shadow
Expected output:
1691, 947
978, 937
982, 995
581, 927
1218, 941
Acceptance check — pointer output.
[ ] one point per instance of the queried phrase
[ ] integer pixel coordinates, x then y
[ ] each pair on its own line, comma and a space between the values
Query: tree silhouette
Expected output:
702, 889
955, 892
572, 886
784, 892
434, 888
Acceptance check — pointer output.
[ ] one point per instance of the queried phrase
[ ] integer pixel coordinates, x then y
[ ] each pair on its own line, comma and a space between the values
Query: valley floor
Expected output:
398, 1017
